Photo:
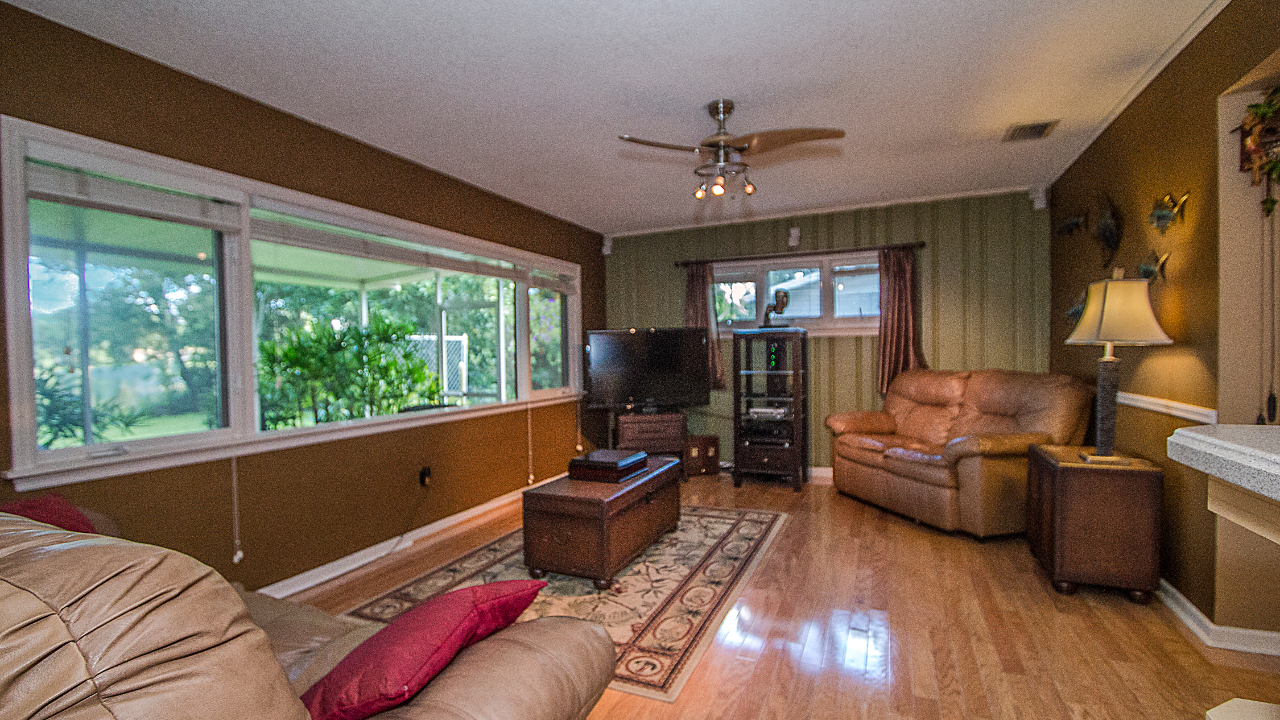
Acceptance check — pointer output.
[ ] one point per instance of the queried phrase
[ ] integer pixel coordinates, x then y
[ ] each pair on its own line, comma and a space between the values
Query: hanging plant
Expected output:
1260, 145
1260, 154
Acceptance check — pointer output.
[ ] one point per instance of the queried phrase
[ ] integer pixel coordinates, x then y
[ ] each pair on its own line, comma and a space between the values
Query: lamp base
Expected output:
1105, 459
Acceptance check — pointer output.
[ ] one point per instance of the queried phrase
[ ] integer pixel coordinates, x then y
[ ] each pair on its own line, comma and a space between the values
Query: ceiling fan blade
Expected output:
756, 143
655, 143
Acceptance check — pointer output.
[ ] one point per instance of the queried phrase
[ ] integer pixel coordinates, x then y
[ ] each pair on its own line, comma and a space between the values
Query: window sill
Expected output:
194, 450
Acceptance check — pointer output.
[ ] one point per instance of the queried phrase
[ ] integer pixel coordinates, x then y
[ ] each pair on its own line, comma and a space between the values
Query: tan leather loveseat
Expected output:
98, 628
950, 448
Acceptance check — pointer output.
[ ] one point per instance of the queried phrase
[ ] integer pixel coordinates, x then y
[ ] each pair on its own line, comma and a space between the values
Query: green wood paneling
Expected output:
984, 292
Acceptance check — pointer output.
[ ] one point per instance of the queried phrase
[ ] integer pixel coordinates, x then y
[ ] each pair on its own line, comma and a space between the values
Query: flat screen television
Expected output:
647, 369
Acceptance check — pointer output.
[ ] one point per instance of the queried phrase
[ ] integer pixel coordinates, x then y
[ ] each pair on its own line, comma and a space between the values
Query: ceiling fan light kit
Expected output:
726, 150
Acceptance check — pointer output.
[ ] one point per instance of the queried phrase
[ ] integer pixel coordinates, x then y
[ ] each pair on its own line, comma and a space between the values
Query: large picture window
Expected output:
834, 293
160, 313
125, 325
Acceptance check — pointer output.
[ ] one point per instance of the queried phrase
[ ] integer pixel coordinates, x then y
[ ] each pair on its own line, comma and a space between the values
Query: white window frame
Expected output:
757, 270
32, 469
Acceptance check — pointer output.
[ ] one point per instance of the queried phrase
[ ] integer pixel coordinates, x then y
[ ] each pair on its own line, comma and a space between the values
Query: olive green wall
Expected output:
1165, 142
983, 276
305, 506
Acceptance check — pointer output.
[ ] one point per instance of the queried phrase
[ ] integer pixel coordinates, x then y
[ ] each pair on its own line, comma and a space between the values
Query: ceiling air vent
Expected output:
1029, 131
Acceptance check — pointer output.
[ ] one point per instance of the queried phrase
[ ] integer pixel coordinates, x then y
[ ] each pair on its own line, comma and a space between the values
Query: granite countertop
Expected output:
1244, 455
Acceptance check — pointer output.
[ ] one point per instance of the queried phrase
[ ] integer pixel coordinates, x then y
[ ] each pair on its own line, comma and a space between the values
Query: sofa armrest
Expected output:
551, 668
992, 444
871, 422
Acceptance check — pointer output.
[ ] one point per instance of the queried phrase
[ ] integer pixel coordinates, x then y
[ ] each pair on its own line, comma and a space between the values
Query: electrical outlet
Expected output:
424, 476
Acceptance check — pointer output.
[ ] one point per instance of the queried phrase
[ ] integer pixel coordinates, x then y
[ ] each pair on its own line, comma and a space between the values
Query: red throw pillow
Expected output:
393, 665
52, 509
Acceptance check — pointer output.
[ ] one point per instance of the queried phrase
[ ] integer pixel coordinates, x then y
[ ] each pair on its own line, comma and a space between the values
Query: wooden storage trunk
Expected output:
594, 529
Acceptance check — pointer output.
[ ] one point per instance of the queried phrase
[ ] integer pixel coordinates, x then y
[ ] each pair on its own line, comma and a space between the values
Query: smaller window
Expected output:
735, 302
803, 285
857, 290
835, 294
735, 296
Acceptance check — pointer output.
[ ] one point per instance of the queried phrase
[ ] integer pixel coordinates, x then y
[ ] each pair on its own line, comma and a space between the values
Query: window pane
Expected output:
125, 312
342, 337
857, 290
735, 302
464, 309
475, 335
803, 285
547, 339
325, 353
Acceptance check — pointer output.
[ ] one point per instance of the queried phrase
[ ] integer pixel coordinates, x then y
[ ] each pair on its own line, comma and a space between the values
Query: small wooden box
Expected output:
657, 433
702, 455
594, 529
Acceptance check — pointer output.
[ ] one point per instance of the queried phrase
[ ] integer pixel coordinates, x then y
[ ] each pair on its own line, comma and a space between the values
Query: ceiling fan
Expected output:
726, 150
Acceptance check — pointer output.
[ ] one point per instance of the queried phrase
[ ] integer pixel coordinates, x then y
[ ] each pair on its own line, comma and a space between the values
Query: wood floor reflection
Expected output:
856, 613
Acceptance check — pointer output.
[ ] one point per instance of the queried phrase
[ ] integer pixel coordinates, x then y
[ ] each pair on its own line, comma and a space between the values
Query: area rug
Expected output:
662, 611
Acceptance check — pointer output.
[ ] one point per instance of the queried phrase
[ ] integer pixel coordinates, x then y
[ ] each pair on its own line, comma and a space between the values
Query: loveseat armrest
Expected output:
871, 422
992, 444
551, 668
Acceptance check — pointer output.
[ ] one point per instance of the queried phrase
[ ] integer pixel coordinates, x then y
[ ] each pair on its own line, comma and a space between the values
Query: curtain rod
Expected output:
809, 253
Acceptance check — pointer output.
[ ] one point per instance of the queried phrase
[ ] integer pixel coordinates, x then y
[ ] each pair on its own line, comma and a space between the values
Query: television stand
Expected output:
659, 433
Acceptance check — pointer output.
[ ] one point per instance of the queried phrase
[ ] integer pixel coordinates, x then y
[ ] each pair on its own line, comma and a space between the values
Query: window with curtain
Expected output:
830, 294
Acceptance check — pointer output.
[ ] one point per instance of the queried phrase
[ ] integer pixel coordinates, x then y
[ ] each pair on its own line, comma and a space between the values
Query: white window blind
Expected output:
85, 189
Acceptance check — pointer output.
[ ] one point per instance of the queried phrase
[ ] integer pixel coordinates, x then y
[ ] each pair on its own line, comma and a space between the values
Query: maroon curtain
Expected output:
698, 314
899, 334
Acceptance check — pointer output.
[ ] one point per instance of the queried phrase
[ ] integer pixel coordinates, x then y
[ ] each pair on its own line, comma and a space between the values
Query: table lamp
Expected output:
1116, 312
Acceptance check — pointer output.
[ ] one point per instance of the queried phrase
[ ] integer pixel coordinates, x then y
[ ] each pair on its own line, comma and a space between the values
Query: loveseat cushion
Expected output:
97, 627
992, 445
925, 403
1011, 401
926, 467
870, 449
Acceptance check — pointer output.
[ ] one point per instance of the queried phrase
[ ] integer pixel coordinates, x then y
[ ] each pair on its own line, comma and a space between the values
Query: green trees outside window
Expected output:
125, 316
176, 313
547, 339
349, 340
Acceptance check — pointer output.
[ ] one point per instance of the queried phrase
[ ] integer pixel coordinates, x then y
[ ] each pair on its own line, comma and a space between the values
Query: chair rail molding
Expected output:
1196, 413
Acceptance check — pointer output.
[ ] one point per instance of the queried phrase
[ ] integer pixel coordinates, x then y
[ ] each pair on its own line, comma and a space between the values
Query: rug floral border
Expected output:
662, 611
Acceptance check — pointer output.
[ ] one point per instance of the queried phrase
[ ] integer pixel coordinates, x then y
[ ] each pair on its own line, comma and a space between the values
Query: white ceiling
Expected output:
527, 98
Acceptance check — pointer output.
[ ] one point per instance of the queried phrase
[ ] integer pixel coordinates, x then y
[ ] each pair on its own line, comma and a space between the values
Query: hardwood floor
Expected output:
857, 613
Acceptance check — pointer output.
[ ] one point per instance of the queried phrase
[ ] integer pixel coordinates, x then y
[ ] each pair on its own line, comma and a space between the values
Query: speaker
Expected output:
702, 455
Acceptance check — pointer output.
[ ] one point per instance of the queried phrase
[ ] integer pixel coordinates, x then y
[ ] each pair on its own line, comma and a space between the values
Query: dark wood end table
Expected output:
1096, 524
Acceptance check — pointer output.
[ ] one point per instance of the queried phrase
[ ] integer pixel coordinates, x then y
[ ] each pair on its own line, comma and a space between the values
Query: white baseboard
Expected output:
1225, 637
820, 476
330, 570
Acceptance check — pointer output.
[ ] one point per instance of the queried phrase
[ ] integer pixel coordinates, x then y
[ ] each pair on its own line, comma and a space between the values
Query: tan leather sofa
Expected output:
950, 448
98, 628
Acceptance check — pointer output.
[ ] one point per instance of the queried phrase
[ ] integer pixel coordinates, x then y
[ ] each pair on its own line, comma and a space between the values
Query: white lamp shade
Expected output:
1118, 312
